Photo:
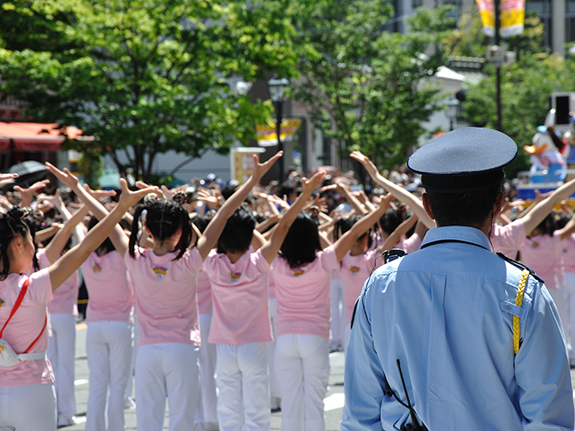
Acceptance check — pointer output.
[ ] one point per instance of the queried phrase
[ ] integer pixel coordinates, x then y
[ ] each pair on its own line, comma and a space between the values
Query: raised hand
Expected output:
8, 176
129, 198
366, 162
65, 176
28, 194
97, 194
313, 183
261, 168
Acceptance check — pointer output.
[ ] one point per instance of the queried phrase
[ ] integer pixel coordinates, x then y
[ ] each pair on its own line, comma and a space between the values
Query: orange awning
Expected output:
34, 136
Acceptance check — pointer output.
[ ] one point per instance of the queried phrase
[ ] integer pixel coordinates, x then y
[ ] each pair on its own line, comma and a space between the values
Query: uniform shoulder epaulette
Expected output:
521, 266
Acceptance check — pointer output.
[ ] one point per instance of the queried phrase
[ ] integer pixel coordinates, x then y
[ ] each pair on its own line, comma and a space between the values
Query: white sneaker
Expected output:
64, 421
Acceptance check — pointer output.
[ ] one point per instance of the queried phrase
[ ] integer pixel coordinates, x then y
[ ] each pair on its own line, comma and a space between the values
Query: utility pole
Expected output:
497, 4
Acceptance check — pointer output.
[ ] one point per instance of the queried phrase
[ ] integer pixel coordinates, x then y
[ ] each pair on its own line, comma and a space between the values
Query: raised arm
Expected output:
207, 241
119, 238
399, 192
271, 248
543, 208
344, 244
71, 261
59, 241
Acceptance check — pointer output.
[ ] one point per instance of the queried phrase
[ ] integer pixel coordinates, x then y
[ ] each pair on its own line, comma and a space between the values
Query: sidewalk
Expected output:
333, 401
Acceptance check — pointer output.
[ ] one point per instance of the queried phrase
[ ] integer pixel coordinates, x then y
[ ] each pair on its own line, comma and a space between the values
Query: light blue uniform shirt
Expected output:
445, 312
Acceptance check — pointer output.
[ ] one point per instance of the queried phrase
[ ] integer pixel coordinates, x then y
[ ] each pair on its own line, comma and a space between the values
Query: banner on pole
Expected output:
487, 12
267, 136
512, 17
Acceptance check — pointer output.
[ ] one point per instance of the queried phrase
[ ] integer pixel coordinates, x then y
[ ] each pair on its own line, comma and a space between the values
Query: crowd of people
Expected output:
226, 302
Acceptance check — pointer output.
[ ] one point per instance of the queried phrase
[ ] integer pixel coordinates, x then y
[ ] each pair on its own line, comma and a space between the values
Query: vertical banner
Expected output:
512, 17
242, 162
487, 12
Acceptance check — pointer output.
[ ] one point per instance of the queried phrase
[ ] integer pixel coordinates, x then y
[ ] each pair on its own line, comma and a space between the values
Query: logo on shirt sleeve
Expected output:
297, 271
235, 275
160, 271
97, 268
354, 269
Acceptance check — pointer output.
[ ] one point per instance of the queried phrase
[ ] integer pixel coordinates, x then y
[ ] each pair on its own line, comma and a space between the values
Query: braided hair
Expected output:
163, 219
12, 224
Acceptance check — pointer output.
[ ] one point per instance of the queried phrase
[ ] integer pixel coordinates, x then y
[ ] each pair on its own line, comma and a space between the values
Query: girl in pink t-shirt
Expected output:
542, 252
109, 335
165, 293
241, 324
26, 389
302, 274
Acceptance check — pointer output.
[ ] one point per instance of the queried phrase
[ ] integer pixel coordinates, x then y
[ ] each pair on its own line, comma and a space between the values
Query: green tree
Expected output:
525, 85
143, 76
365, 85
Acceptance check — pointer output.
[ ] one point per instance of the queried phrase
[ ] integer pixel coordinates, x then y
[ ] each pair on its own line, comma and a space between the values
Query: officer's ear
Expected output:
498, 205
427, 206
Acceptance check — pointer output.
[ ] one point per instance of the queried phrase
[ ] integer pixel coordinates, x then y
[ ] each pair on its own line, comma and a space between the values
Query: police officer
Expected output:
433, 343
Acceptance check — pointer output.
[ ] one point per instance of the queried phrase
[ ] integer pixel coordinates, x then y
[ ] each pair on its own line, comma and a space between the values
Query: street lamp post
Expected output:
452, 105
276, 88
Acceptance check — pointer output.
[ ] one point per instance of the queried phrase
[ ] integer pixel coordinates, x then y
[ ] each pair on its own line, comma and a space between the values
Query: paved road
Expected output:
333, 401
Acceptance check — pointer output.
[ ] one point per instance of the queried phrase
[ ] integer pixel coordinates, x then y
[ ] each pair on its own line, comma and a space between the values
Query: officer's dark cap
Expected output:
464, 160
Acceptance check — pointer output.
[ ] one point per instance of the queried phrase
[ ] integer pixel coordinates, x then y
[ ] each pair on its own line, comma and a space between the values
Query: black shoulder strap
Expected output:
520, 265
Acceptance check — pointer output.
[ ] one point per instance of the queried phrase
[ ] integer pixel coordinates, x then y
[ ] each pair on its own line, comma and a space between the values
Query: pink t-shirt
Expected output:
165, 291
411, 244
204, 292
303, 295
354, 271
508, 239
542, 253
568, 250
65, 299
271, 288
240, 295
108, 287
25, 326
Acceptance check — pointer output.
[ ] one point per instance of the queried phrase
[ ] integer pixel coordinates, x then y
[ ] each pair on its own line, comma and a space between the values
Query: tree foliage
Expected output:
365, 86
525, 85
142, 76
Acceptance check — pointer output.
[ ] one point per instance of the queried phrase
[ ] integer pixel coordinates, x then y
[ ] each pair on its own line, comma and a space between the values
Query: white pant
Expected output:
208, 399
243, 389
274, 385
302, 366
60, 352
109, 350
166, 371
28, 408
337, 313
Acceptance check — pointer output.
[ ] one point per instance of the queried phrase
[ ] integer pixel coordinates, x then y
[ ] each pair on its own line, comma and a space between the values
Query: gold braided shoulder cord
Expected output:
519, 303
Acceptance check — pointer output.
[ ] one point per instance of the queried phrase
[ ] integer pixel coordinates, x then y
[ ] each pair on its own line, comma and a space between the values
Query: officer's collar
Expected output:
464, 234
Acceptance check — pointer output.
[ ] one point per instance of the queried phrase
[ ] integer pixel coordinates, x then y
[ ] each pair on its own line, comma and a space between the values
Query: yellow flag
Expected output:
512, 17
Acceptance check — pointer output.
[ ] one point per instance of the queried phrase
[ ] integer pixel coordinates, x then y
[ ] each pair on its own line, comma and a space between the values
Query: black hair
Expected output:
343, 225
562, 220
287, 188
163, 219
548, 225
463, 209
238, 232
228, 190
201, 222
12, 224
107, 246
302, 241
390, 220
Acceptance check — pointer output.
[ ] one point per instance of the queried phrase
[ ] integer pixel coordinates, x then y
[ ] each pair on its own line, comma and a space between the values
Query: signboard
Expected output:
242, 162
267, 136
